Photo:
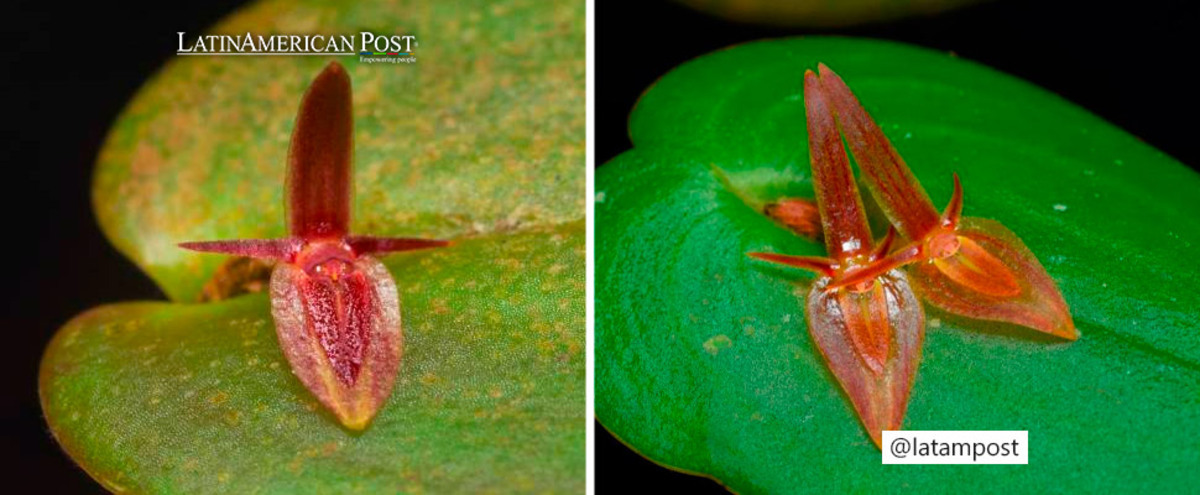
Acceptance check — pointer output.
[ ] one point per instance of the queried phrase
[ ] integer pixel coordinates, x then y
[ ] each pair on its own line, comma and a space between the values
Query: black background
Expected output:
1132, 63
67, 70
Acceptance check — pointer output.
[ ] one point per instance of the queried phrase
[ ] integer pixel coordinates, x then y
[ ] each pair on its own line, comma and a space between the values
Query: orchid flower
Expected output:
966, 266
869, 331
336, 308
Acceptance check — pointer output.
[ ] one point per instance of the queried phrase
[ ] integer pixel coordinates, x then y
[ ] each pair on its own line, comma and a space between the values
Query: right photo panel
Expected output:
880, 246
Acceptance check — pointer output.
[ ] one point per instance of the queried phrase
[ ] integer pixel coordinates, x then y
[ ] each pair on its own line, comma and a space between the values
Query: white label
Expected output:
956, 447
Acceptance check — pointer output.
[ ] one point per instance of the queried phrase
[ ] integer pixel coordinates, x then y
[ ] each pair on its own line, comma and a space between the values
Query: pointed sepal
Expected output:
320, 158
843, 217
341, 334
890, 180
871, 339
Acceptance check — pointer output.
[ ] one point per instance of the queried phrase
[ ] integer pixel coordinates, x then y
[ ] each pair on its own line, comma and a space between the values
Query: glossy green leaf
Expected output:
480, 141
156, 397
484, 133
703, 361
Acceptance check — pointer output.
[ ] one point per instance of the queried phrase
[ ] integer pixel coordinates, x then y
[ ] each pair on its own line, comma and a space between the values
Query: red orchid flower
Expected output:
966, 266
869, 331
336, 308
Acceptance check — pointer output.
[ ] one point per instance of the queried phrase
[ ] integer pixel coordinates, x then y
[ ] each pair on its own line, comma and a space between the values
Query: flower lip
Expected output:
941, 244
315, 256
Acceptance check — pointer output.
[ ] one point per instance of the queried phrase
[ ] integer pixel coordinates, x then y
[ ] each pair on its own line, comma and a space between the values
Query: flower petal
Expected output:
995, 277
277, 249
974, 268
871, 341
817, 264
362, 244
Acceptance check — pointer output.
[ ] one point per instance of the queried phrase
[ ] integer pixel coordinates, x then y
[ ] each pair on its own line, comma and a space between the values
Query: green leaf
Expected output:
703, 359
481, 141
197, 398
484, 133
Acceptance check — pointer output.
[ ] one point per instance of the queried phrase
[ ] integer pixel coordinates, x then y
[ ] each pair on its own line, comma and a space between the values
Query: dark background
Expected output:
1090, 53
66, 72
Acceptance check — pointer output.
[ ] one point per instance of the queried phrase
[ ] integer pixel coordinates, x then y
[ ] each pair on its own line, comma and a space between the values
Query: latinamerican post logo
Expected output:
367, 46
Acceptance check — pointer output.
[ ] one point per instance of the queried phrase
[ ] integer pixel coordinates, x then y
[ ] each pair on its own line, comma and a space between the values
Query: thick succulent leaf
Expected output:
463, 142
182, 398
463, 145
702, 358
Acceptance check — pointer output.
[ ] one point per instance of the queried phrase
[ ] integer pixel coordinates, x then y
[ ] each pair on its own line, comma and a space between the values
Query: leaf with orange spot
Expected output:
179, 397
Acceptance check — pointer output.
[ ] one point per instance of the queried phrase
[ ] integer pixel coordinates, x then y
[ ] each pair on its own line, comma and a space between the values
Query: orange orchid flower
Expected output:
966, 266
869, 331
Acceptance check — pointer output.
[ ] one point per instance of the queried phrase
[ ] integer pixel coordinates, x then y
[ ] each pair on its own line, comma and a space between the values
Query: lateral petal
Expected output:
276, 249
816, 264
362, 244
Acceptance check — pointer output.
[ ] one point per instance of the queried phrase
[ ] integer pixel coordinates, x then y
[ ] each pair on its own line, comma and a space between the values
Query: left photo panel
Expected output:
312, 247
